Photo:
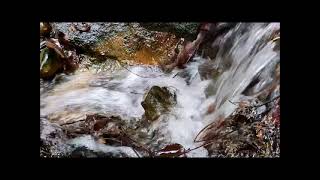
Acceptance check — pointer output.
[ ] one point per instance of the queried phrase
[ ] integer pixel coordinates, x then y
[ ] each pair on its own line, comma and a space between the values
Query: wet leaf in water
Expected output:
172, 150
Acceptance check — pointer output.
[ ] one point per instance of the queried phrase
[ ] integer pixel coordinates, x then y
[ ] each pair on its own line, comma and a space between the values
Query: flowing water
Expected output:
245, 52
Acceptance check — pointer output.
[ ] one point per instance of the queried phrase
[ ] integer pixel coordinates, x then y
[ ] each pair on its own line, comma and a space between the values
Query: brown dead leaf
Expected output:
99, 124
172, 150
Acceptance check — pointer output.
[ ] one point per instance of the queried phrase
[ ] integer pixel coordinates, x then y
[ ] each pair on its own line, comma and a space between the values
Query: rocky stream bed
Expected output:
104, 92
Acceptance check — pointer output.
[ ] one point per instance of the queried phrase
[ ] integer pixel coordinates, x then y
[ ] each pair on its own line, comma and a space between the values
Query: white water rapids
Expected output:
121, 92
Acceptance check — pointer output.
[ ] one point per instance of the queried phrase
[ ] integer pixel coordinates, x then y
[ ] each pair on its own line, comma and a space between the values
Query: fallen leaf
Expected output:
172, 150
99, 124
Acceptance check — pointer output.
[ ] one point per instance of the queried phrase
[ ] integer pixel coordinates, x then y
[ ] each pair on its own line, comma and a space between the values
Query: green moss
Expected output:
157, 101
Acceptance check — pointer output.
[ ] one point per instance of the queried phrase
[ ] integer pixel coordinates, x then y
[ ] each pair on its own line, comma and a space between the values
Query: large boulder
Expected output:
158, 100
121, 41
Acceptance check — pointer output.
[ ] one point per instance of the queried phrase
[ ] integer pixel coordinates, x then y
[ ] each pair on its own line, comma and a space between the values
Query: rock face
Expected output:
121, 41
186, 30
83, 40
157, 101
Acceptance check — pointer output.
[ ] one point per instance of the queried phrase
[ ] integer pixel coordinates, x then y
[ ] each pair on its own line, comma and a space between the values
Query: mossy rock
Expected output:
50, 63
157, 101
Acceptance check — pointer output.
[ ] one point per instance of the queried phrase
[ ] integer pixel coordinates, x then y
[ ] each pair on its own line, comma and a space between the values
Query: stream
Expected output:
246, 53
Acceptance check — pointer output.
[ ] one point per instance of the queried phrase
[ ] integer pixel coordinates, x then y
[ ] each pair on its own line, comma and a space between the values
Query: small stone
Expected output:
158, 100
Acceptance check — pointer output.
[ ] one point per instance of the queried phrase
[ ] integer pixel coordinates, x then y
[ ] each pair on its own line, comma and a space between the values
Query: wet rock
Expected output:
209, 70
52, 140
138, 46
158, 100
87, 145
83, 40
120, 41
84, 152
185, 30
211, 89
50, 63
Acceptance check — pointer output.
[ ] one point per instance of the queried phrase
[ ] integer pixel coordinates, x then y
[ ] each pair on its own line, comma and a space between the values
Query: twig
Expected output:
71, 122
135, 152
202, 131
189, 150
232, 103
205, 144
136, 73
139, 145
135, 93
193, 77
113, 139
237, 103
175, 75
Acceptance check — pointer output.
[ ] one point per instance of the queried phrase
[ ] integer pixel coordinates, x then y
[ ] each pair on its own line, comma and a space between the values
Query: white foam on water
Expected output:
89, 142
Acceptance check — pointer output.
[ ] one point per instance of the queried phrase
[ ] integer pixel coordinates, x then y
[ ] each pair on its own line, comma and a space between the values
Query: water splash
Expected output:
250, 53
